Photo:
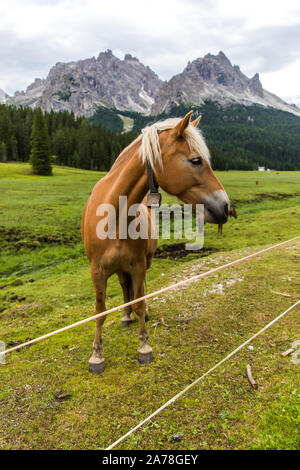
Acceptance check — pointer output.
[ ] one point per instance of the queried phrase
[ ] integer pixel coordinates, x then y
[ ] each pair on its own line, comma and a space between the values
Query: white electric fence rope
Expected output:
173, 399
145, 297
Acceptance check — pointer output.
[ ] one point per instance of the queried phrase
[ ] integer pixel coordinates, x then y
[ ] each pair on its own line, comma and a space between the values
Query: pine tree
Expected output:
40, 145
3, 152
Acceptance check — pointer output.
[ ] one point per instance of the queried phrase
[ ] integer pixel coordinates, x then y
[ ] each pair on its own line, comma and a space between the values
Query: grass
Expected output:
50, 401
127, 122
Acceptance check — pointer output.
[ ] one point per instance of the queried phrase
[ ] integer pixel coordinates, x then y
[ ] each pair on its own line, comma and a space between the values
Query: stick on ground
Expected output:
288, 352
250, 377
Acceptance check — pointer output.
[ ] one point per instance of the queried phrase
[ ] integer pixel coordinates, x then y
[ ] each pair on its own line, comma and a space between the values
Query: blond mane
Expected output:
150, 148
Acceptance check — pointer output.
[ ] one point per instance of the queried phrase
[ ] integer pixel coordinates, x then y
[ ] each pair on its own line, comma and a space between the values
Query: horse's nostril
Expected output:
226, 207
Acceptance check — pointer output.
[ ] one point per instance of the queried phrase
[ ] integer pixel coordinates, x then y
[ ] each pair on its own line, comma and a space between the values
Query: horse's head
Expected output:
233, 213
183, 167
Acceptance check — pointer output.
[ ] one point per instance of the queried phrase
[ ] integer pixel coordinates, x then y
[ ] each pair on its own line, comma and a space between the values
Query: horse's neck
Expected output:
128, 176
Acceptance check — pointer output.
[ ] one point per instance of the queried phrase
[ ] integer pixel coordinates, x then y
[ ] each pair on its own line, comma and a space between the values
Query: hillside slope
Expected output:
239, 136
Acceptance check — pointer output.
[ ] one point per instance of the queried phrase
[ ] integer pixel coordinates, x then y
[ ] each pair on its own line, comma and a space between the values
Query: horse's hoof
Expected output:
97, 367
125, 323
145, 358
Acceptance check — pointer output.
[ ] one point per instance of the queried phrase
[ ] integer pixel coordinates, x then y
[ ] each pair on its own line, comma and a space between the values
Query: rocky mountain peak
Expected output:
220, 57
81, 86
106, 55
213, 77
256, 86
130, 57
217, 69
4, 98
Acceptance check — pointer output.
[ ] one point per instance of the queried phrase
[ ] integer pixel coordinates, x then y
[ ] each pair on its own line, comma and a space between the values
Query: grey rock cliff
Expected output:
129, 85
81, 86
213, 77
4, 98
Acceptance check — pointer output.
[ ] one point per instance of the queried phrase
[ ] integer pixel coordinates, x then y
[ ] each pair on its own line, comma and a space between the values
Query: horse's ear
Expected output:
182, 125
197, 120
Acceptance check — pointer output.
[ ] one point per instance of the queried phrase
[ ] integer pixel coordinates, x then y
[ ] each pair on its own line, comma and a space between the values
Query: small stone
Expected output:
17, 282
62, 396
177, 437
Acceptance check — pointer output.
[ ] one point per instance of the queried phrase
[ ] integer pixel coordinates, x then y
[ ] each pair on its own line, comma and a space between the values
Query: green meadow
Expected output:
48, 398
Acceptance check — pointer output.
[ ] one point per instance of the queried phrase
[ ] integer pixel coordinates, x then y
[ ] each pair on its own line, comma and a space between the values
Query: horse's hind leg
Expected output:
145, 350
126, 284
96, 362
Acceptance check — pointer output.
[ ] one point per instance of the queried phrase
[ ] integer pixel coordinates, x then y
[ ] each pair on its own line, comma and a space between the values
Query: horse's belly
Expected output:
118, 255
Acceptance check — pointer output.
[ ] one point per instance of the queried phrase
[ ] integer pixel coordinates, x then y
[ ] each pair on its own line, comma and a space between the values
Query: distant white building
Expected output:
261, 168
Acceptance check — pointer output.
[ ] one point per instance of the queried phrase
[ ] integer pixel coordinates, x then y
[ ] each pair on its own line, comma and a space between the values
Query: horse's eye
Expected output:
196, 161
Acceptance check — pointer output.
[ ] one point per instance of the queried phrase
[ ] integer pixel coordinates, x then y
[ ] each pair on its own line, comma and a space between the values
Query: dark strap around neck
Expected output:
154, 198
153, 186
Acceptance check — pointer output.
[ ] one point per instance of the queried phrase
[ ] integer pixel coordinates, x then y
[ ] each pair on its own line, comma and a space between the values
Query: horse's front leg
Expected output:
125, 281
138, 279
96, 362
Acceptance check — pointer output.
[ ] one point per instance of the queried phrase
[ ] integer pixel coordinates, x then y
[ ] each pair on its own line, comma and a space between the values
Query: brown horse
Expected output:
232, 213
176, 153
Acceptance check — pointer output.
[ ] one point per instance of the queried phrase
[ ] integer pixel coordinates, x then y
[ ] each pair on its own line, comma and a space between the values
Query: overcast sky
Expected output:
259, 35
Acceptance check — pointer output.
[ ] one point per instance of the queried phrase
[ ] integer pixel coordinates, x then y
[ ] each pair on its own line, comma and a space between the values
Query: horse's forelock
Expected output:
150, 148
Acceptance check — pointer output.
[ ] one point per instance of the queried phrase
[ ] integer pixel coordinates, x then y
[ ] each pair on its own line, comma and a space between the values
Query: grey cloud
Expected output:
21, 61
270, 48
200, 30
24, 59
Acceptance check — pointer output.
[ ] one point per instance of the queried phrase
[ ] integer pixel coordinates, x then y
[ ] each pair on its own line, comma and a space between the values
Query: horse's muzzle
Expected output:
216, 207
